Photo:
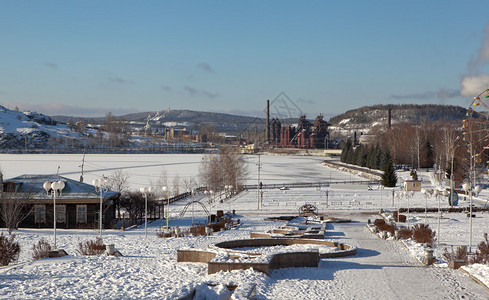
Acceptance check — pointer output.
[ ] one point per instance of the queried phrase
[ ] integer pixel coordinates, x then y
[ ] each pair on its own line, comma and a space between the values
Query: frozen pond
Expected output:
143, 169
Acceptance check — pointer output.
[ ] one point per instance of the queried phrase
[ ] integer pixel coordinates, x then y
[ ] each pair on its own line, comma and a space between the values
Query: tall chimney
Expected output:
389, 119
267, 127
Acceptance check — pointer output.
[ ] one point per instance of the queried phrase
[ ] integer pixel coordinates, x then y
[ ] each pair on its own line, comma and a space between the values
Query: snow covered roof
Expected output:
31, 183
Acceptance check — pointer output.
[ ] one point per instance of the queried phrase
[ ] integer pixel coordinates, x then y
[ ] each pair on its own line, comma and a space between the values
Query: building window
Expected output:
60, 213
81, 213
40, 214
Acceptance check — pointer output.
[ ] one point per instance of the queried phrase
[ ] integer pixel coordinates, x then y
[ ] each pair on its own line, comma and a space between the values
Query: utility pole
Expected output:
258, 183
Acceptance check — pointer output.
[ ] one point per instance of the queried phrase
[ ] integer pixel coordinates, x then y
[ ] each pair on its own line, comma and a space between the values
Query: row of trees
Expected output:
364, 156
428, 145
436, 145
373, 158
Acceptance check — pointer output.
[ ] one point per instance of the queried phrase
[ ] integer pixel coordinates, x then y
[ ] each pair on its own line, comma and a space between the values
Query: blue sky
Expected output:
88, 58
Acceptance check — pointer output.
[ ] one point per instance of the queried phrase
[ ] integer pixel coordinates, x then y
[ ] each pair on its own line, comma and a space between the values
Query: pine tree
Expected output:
389, 177
384, 158
345, 151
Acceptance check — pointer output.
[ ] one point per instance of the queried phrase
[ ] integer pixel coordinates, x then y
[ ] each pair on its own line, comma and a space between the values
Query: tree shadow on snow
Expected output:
325, 270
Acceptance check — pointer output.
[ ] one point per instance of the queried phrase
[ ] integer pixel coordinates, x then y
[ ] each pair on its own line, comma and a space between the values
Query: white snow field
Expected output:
148, 269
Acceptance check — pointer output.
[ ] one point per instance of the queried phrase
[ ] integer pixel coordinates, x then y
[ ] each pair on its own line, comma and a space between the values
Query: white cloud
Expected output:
472, 86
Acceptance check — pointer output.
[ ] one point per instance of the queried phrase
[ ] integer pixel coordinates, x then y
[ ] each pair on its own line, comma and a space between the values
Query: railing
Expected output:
309, 184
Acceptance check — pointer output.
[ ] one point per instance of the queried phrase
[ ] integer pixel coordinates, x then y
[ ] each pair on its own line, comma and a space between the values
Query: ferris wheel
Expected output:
476, 127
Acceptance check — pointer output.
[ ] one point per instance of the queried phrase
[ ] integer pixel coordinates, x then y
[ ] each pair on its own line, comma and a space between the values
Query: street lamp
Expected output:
165, 189
425, 193
454, 146
100, 185
467, 188
436, 192
145, 190
54, 187
206, 193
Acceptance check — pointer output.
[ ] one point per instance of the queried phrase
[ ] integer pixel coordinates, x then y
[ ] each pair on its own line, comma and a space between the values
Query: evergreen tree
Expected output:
345, 151
389, 177
427, 159
384, 158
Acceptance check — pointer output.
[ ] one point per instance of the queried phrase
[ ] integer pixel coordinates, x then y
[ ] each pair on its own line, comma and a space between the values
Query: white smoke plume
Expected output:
474, 85
475, 81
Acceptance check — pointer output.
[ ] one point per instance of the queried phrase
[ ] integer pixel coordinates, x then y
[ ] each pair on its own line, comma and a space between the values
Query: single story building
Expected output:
77, 204
412, 185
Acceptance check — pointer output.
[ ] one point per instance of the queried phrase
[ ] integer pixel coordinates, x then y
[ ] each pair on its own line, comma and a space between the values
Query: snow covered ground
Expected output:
382, 269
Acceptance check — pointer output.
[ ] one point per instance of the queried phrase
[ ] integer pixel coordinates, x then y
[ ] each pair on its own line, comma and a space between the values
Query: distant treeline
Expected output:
402, 113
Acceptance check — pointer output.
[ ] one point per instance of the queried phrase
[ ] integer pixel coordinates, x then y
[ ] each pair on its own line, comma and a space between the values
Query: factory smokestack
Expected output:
389, 118
267, 127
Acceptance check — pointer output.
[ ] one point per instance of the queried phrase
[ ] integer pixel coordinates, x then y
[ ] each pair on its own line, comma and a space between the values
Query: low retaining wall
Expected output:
191, 255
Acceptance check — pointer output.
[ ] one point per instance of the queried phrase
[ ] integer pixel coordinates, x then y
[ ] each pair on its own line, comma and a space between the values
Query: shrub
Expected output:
379, 222
406, 233
383, 226
217, 226
422, 233
91, 247
481, 255
163, 234
9, 249
197, 230
460, 254
41, 250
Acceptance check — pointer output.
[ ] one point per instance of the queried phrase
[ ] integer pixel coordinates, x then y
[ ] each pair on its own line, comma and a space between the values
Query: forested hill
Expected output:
400, 113
174, 116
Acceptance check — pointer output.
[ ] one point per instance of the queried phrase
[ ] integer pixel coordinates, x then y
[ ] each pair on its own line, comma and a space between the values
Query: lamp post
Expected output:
425, 193
145, 190
165, 189
327, 194
100, 185
468, 189
206, 193
54, 187
451, 170
436, 192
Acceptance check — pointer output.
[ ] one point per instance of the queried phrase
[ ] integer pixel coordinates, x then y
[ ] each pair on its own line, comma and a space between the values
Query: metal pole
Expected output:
472, 169
451, 181
54, 202
146, 215
100, 219
258, 183
439, 217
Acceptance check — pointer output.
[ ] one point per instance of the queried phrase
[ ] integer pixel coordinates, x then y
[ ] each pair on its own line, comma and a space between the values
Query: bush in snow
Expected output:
406, 233
41, 250
459, 254
422, 233
93, 247
217, 226
482, 253
163, 234
9, 249
383, 226
198, 230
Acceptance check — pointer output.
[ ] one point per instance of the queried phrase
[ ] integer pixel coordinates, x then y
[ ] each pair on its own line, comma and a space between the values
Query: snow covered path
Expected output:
382, 269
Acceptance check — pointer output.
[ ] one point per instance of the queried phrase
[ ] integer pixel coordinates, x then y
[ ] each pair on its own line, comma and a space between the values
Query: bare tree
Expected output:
226, 168
161, 184
14, 208
176, 185
188, 183
118, 182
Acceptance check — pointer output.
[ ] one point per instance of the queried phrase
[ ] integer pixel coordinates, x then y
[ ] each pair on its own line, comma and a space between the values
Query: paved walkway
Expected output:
381, 270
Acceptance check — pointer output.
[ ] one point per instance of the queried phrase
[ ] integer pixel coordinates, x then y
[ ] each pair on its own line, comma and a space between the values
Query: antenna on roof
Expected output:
83, 158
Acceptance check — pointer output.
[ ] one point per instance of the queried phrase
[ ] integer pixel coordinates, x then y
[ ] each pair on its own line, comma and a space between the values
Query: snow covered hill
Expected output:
30, 130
